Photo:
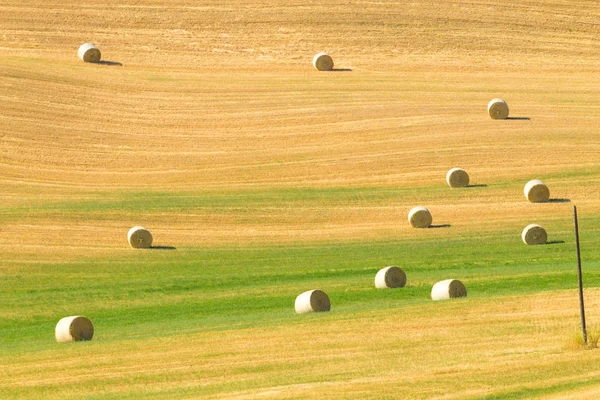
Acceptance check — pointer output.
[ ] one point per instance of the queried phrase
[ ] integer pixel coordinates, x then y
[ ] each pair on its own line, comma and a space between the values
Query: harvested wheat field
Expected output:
261, 178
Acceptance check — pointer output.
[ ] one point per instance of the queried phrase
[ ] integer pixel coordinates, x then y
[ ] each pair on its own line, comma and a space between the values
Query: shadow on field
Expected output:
341, 70
440, 226
109, 63
555, 242
559, 201
162, 248
519, 118
478, 185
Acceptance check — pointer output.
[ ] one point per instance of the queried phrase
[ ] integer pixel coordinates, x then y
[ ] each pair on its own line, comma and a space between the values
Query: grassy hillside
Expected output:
261, 178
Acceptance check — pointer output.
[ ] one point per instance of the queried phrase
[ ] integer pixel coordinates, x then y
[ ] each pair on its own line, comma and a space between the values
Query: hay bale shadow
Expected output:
559, 201
109, 63
519, 118
439, 226
341, 70
478, 185
162, 248
555, 242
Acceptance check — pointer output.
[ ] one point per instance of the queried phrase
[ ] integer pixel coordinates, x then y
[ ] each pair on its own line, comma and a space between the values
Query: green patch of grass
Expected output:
238, 202
243, 205
193, 289
577, 383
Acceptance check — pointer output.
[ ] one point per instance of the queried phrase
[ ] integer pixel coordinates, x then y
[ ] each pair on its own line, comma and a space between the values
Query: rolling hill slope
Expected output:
208, 125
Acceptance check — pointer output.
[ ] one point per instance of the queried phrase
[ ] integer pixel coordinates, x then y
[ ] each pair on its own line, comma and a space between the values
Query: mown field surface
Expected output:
261, 178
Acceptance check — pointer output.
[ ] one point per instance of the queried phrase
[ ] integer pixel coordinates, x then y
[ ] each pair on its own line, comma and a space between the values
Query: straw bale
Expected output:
448, 289
457, 177
420, 217
74, 329
312, 301
390, 277
536, 191
534, 234
498, 109
88, 52
323, 62
139, 237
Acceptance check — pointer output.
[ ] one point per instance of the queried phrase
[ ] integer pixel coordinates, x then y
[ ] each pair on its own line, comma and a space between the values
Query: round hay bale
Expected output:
312, 301
323, 61
420, 217
457, 177
139, 237
536, 191
390, 277
498, 109
88, 52
534, 234
448, 289
74, 329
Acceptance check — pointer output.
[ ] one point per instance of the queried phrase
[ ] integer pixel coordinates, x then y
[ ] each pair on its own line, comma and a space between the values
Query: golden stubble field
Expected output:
203, 98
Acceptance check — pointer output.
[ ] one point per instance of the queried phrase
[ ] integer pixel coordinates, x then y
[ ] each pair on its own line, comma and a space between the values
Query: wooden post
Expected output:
581, 306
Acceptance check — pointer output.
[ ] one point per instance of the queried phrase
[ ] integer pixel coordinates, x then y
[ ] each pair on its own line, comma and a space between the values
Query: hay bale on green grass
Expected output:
448, 289
88, 52
534, 234
390, 277
139, 237
312, 301
74, 329
536, 191
498, 109
323, 62
457, 177
420, 217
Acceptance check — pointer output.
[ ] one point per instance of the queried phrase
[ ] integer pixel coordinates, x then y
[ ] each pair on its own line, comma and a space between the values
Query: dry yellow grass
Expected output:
223, 99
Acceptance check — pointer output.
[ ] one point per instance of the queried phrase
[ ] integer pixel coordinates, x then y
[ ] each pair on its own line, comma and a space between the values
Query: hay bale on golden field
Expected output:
88, 52
390, 277
534, 234
457, 177
312, 301
323, 62
74, 329
498, 109
448, 289
536, 191
420, 217
139, 237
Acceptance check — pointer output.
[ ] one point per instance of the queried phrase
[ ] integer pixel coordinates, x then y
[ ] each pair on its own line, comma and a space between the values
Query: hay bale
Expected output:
536, 191
498, 109
420, 217
88, 52
74, 329
457, 177
390, 277
312, 301
534, 234
139, 237
448, 289
323, 62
